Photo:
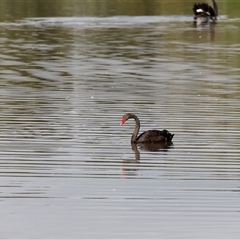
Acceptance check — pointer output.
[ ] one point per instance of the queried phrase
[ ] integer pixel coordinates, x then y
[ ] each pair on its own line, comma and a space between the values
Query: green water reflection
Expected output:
14, 9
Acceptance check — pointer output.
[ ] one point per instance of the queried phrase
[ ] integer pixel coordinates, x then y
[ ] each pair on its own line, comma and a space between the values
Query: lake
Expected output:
69, 72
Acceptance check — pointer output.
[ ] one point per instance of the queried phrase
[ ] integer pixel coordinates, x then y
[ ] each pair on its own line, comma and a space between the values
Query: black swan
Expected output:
148, 136
203, 12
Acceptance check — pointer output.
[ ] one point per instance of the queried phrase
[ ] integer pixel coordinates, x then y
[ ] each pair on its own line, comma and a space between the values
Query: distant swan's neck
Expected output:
215, 7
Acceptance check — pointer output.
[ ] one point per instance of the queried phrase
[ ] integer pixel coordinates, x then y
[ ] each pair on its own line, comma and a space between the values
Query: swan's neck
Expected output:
215, 7
137, 128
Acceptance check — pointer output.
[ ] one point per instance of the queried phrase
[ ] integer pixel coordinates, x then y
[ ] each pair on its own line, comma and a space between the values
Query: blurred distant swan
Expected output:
203, 12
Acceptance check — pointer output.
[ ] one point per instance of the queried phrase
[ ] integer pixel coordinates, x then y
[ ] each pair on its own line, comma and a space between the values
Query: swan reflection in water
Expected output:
130, 167
150, 147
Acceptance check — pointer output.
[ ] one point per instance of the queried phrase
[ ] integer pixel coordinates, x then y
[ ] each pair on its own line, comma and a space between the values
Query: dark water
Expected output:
68, 169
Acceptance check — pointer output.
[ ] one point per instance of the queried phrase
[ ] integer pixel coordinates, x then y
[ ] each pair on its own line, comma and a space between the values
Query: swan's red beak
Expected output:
122, 121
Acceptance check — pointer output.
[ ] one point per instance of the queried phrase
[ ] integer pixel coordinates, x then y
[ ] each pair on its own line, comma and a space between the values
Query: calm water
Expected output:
68, 169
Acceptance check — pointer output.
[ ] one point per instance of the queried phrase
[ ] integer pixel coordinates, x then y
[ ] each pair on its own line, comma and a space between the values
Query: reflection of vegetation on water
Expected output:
22, 9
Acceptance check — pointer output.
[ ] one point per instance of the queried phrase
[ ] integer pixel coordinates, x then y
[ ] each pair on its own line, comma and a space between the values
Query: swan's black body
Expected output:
203, 12
155, 136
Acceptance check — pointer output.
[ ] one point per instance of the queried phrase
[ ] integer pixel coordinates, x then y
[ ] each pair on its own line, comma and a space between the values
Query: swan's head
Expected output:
125, 118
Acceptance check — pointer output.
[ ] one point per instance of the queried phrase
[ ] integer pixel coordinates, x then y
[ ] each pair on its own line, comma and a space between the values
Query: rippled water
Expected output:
68, 169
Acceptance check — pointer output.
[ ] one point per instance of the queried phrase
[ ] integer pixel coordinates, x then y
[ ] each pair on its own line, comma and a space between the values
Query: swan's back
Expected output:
155, 136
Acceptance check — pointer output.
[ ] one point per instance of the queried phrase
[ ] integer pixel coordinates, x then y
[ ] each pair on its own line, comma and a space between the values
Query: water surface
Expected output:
68, 169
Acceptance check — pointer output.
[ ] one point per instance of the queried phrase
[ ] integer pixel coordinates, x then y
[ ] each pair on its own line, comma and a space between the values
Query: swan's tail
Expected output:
167, 135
